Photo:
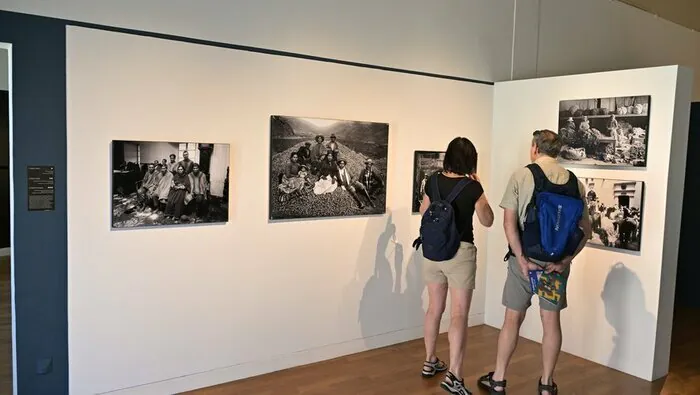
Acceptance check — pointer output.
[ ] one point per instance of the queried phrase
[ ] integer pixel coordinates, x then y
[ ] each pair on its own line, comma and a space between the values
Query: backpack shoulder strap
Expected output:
572, 185
539, 176
434, 185
458, 189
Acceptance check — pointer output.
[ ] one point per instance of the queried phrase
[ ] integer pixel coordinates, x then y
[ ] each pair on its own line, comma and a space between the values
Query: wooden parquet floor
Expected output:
395, 370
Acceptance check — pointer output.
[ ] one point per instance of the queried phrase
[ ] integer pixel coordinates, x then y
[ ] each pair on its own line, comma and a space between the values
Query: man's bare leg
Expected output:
551, 344
507, 342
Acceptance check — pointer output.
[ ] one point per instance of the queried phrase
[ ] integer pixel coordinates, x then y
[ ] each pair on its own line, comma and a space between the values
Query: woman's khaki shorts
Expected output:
458, 272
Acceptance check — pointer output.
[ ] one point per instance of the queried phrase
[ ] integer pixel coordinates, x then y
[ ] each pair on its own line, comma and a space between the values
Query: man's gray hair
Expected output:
547, 142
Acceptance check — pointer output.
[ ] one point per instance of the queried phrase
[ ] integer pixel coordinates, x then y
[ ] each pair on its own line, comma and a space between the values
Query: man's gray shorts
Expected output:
517, 294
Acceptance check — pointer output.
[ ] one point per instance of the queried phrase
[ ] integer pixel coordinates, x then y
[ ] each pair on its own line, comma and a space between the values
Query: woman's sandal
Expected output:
488, 383
430, 369
552, 389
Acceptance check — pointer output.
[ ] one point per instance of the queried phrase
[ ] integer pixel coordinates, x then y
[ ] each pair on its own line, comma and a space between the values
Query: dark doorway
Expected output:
623, 201
688, 266
117, 154
205, 152
685, 344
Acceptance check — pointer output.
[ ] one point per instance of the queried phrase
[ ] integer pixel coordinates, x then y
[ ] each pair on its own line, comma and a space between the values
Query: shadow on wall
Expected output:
386, 307
625, 311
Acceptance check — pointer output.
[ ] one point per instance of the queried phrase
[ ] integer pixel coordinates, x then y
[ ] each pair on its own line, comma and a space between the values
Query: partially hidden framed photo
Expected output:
612, 132
323, 168
616, 208
425, 163
156, 183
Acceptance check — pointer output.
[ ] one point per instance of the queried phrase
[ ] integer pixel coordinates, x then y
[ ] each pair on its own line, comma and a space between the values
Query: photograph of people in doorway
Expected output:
615, 207
425, 163
169, 183
327, 167
605, 132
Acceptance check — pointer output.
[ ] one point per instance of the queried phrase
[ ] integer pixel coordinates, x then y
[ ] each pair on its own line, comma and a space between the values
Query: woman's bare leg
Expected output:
437, 294
460, 300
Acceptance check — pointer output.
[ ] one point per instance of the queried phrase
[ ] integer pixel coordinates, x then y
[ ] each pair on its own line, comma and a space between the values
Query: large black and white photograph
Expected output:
425, 163
616, 210
169, 183
605, 132
326, 167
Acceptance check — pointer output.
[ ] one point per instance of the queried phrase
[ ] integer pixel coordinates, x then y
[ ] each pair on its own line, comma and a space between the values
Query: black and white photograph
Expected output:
169, 183
609, 132
327, 167
615, 207
425, 163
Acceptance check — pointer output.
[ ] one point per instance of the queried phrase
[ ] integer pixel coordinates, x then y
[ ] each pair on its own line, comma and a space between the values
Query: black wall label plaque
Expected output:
41, 185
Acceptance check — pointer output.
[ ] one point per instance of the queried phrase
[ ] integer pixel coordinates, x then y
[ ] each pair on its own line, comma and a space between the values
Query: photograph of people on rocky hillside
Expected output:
326, 167
608, 132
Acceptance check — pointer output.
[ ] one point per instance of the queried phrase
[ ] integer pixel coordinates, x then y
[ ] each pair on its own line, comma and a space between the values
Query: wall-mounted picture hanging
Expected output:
326, 167
425, 163
616, 209
169, 183
605, 132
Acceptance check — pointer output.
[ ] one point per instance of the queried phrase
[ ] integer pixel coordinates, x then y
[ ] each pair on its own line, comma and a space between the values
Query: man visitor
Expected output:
517, 293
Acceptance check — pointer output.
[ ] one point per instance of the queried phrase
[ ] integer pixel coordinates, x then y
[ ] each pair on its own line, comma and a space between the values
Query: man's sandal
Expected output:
488, 383
552, 389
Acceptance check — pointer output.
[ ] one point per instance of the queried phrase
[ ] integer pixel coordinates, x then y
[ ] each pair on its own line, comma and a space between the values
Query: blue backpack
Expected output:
550, 230
438, 230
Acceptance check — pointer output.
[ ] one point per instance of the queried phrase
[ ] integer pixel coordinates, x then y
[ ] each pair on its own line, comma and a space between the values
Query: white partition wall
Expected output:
170, 309
4, 75
620, 303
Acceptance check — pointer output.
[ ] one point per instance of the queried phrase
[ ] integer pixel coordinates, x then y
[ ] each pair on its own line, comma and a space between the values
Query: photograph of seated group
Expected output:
327, 168
169, 183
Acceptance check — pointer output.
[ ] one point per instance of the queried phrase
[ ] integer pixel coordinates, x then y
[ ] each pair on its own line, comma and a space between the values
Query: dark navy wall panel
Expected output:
40, 238
688, 267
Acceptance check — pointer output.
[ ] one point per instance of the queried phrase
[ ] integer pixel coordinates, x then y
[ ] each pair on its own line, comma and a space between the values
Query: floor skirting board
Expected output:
256, 368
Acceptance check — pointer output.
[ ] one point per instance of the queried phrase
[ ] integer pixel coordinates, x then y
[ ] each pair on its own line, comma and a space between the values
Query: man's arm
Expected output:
511, 221
510, 225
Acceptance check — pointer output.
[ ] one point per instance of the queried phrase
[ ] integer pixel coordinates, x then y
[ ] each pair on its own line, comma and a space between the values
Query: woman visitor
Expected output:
458, 275
179, 188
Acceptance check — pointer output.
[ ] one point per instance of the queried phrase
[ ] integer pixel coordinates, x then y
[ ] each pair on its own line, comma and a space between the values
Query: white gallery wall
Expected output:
620, 304
4, 72
481, 39
210, 304
599, 35
471, 38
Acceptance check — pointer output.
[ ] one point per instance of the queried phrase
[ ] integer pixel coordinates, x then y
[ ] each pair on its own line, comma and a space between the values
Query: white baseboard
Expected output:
256, 368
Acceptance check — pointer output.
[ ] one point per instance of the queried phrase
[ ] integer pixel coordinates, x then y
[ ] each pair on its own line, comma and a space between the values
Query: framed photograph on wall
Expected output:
326, 167
605, 131
425, 163
156, 183
616, 209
